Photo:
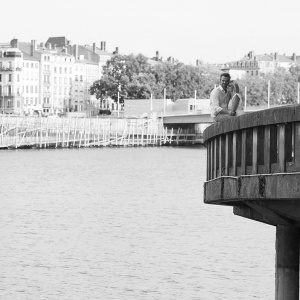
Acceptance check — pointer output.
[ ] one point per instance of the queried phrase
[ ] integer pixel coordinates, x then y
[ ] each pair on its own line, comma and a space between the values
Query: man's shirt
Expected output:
219, 100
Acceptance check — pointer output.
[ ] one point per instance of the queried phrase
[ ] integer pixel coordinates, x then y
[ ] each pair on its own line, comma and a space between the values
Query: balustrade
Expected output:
263, 142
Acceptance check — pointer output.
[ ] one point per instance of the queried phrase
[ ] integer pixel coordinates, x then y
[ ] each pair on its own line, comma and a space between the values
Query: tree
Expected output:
128, 74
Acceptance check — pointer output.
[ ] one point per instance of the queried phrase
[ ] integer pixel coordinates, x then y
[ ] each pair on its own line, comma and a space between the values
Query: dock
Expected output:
54, 132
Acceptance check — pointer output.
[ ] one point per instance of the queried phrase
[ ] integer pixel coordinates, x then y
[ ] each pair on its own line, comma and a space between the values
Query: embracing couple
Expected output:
225, 99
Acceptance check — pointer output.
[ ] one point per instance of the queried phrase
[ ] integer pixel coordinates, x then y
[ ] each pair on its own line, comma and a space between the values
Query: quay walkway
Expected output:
51, 132
253, 165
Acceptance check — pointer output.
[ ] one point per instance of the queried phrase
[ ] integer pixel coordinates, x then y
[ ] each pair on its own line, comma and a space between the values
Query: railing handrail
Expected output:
272, 116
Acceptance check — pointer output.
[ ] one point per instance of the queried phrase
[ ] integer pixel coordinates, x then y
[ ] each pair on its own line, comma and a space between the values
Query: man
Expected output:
220, 97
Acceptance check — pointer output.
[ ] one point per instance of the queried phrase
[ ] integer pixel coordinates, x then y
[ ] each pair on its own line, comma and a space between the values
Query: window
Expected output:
60, 69
81, 78
18, 77
54, 80
27, 89
31, 89
60, 80
66, 70
36, 89
9, 77
55, 70
0, 77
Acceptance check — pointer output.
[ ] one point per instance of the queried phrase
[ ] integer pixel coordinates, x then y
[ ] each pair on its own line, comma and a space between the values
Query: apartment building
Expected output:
11, 66
54, 77
254, 65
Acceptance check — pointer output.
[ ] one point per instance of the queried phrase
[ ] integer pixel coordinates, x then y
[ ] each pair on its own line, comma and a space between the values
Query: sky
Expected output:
213, 31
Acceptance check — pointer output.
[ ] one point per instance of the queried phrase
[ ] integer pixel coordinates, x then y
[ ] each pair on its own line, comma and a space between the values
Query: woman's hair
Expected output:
235, 86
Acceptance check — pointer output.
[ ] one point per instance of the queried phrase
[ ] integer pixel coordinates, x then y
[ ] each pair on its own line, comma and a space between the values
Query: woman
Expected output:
236, 97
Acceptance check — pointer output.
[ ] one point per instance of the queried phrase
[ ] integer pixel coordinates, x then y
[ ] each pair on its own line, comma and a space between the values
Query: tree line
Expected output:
134, 77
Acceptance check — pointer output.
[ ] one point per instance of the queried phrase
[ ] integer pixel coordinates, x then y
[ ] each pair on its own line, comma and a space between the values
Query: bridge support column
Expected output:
287, 262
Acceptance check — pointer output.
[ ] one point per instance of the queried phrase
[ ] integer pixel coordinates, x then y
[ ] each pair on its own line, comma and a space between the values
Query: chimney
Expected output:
75, 48
42, 45
32, 47
294, 57
104, 46
94, 47
14, 43
117, 50
276, 56
251, 54
101, 47
157, 55
197, 62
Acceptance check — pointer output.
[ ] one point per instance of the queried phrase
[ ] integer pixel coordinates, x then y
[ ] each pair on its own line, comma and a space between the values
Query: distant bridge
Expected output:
204, 118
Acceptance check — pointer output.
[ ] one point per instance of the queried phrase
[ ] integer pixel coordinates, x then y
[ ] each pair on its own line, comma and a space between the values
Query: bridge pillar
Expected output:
287, 263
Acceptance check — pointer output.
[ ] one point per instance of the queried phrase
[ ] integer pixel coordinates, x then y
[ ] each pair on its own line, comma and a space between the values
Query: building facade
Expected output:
255, 65
50, 78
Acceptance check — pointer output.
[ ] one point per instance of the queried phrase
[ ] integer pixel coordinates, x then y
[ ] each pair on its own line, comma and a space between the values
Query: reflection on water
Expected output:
124, 223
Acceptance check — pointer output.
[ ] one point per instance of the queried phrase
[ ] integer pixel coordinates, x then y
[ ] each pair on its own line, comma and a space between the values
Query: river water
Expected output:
124, 223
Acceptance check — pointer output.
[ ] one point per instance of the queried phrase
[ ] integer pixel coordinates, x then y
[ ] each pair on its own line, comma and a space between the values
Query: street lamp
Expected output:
2, 98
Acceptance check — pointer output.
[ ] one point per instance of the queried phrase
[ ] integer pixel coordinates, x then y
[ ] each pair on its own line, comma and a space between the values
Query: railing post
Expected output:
281, 148
244, 153
267, 156
234, 153
215, 157
297, 147
254, 151
220, 155
226, 155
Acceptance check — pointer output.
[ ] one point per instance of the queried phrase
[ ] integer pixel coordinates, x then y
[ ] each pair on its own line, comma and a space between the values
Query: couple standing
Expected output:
225, 99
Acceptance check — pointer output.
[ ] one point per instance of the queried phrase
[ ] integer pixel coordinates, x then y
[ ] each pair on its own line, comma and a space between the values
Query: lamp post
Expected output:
3, 100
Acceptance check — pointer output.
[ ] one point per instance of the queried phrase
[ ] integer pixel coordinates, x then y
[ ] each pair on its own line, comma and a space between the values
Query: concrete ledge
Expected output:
228, 190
